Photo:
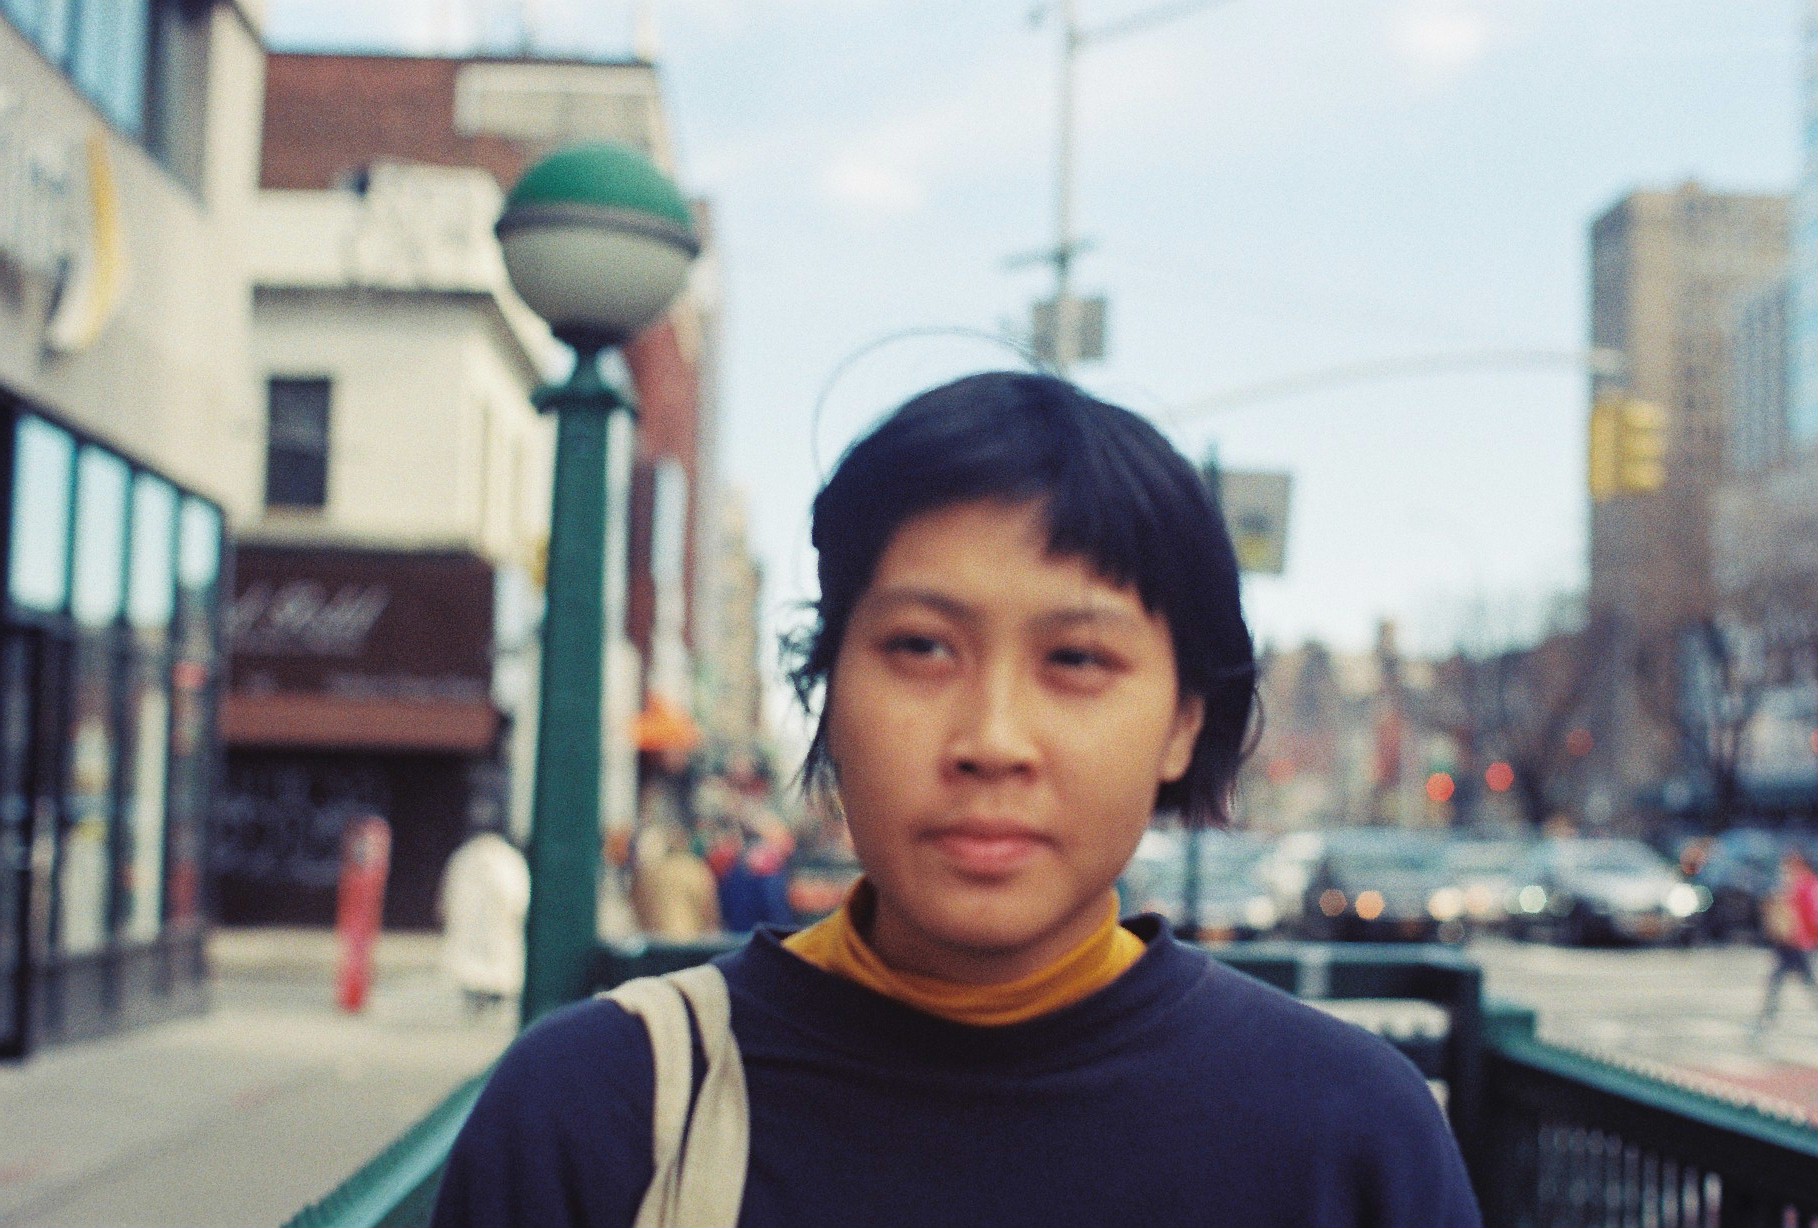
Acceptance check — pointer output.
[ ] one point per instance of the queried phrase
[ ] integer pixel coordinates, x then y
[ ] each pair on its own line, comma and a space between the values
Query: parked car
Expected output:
1740, 868
1483, 872
1232, 901
1579, 891
819, 880
1285, 870
1380, 884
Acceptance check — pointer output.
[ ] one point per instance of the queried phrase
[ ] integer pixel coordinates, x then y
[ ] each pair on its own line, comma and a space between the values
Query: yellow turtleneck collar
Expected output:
835, 945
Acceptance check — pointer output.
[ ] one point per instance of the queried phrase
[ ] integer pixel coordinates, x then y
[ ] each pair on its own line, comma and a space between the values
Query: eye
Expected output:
1077, 658
911, 646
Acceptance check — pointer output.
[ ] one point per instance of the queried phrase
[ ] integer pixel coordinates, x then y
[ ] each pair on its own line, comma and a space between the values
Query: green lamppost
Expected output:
597, 241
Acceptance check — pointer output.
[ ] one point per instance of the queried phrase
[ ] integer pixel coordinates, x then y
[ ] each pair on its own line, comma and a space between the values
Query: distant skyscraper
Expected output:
1802, 416
1759, 359
1668, 273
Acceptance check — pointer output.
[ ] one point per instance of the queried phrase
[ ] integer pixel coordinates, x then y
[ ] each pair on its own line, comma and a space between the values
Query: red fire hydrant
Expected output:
360, 905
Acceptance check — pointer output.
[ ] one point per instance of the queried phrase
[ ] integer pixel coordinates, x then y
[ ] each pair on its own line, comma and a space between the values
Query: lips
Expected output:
987, 849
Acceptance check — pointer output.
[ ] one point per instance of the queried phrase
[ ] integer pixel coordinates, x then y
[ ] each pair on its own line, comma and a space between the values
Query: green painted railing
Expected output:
1554, 1138
1580, 1141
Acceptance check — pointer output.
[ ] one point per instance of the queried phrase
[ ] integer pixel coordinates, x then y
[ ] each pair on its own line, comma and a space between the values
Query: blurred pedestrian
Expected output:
754, 890
672, 890
485, 893
1789, 920
1028, 639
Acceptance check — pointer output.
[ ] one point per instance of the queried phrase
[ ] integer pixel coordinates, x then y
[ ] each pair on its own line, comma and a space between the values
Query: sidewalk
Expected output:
243, 1115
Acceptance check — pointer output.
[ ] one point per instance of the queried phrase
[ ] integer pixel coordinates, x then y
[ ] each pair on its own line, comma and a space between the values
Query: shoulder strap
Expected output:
700, 1163
718, 1150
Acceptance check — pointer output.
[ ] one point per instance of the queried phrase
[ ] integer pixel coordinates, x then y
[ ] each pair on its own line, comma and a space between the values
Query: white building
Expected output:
385, 618
387, 603
128, 157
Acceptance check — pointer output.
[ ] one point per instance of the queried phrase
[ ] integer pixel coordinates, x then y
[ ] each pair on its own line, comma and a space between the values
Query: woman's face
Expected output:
1000, 720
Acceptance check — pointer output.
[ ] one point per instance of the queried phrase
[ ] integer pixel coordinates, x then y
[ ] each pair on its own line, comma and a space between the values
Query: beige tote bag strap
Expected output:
698, 1180
718, 1148
665, 1017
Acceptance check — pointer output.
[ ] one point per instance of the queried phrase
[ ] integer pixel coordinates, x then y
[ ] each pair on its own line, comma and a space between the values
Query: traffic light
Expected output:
1627, 452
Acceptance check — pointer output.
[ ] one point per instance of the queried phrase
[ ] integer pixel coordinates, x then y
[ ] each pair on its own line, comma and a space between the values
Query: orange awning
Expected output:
664, 726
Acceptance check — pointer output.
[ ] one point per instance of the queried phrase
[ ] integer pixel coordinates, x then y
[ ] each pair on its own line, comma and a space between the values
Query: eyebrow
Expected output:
1060, 618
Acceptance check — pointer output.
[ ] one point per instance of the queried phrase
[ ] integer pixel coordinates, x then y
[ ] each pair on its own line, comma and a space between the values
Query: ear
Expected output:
1183, 735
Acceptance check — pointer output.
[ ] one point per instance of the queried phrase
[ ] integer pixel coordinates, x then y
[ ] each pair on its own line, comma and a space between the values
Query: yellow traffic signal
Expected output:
1627, 447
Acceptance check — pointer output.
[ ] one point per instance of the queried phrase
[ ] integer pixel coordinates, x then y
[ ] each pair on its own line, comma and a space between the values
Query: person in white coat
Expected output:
485, 894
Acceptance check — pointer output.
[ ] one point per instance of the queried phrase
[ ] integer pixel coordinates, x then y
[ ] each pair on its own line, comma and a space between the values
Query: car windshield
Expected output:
1613, 858
1481, 856
1387, 859
1220, 859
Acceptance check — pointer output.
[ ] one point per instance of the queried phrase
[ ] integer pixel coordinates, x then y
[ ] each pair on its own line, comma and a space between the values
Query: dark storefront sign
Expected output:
359, 683
108, 665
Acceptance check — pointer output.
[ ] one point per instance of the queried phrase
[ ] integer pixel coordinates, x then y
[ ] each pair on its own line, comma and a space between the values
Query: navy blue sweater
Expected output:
1182, 1094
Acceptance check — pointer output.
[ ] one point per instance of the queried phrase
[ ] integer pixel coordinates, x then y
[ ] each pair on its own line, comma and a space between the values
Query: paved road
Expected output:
1688, 1010
242, 1116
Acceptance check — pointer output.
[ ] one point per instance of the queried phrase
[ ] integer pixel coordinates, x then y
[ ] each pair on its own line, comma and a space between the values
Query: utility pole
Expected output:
1066, 341
1067, 314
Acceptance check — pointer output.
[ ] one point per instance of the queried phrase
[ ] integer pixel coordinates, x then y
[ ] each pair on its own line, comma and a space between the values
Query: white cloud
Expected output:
874, 185
1441, 40
890, 168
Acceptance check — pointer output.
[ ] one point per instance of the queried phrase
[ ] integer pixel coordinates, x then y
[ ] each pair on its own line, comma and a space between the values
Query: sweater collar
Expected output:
837, 945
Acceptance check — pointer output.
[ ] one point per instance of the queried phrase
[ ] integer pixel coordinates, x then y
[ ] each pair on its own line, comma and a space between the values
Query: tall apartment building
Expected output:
128, 153
1802, 325
384, 647
1760, 407
735, 708
1668, 272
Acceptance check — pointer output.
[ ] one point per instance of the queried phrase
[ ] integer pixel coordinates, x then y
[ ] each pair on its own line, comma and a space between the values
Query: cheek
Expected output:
1121, 761
867, 730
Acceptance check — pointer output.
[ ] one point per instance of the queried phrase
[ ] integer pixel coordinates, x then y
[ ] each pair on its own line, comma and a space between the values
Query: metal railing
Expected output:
1554, 1138
1577, 1140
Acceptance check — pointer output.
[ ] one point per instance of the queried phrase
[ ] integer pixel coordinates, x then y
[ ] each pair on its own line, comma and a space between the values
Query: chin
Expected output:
1002, 930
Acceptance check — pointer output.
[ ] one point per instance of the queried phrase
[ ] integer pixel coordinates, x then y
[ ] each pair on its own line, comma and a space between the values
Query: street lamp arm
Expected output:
1596, 361
1135, 23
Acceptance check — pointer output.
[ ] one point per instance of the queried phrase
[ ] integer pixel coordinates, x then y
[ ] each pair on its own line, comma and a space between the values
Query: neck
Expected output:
907, 948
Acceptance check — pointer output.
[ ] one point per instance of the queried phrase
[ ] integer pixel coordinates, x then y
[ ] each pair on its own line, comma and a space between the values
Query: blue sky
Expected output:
1273, 187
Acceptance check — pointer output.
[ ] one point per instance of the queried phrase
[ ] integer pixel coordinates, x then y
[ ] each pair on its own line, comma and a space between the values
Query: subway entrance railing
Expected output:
1554, 1138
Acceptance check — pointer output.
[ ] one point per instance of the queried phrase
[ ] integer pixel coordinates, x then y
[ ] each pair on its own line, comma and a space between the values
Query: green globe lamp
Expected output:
597, 241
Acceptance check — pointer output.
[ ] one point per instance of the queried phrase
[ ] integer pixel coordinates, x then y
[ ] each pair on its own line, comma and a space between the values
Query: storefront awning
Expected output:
664, 726
330, 722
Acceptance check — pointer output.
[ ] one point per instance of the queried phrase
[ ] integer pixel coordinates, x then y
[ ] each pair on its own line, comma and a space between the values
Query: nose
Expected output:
991, 732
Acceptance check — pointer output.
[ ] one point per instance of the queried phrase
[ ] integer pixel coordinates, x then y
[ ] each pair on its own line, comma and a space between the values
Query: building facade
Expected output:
407, 475
128, 148
1760, 421
1668, 272
382, 627
1802, 411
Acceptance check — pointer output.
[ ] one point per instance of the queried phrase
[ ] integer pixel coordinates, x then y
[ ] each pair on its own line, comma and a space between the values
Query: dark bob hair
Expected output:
1115, 493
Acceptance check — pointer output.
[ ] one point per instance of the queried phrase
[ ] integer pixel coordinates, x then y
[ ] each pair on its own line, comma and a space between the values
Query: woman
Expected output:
1028, 639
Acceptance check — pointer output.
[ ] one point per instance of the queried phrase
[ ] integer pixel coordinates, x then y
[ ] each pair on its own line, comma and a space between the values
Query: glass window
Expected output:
82, 876
296, 455
45, 22
101, 479
42, 458
142, 857
198, 547
110, 53
151, 590
191, 701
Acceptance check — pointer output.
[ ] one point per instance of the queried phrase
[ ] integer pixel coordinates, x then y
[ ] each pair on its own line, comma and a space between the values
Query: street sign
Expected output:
1256, 513
1084, 321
